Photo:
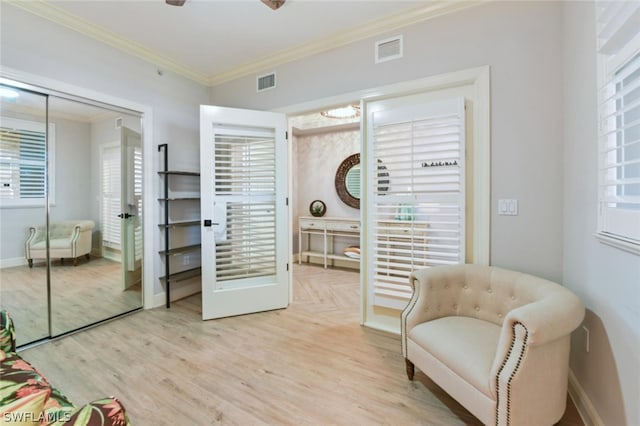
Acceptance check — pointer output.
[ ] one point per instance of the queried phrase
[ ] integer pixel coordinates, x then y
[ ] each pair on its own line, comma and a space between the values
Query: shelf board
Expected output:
179, 199
341, 257
183, 275
180, 250
180, 224
178, 173
312, 253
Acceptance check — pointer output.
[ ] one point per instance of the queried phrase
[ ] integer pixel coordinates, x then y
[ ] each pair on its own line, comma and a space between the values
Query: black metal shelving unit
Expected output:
167, 226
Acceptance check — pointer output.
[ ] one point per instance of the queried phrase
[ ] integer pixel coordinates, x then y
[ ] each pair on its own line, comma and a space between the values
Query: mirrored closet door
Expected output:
72, 226
23, 160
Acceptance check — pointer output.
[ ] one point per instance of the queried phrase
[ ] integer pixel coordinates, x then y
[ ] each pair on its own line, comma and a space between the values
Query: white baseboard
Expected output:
10, 263
583, 404
187, 288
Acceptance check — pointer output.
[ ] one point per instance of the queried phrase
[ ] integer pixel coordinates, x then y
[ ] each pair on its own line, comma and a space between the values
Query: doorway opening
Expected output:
325, 168
473, 87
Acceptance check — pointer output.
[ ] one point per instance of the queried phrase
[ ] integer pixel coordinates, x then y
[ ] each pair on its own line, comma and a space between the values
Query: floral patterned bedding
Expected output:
27, 398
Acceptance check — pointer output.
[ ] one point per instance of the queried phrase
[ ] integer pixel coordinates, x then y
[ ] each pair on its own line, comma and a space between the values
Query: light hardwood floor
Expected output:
80, 295
310, 364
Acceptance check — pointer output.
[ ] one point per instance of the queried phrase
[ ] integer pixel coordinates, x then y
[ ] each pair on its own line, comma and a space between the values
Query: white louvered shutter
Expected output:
23, 159
619, 115
418, 194
245, 182
137, 192
111, 170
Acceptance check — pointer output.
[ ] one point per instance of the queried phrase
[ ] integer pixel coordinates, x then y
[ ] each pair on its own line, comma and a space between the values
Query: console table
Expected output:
327, 228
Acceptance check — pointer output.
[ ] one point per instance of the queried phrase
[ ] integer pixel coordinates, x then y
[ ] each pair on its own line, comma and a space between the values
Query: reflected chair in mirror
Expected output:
496, 340
68, 239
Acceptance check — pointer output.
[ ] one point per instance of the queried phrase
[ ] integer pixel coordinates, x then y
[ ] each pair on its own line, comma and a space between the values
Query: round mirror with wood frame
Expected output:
348, 193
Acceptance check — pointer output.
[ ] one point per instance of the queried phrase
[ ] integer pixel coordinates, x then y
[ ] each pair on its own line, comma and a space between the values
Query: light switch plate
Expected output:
508, 207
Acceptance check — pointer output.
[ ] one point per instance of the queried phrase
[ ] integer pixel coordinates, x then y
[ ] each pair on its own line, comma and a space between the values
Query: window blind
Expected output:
245, 180
419, 199
23, 159
137, 192
619, 116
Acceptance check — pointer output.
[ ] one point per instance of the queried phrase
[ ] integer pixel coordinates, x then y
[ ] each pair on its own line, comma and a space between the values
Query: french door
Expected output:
243, 172
131, 206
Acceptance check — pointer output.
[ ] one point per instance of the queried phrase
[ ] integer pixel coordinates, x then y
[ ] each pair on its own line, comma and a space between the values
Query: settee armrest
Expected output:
37, 233
7, 333
542, 322
415, 312
549, 318
434, 296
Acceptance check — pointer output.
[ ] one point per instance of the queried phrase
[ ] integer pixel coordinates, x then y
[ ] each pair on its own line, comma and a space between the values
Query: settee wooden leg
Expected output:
75, 261
87, 256
30, 263
411, 369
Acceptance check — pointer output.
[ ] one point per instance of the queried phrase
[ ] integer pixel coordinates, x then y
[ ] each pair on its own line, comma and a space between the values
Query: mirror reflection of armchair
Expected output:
68, 239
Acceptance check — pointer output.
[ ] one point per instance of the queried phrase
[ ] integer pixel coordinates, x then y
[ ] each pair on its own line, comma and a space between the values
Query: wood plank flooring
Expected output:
80, 295
310, 364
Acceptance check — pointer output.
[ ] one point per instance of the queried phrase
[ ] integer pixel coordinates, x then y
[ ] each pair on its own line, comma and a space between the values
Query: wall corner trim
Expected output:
583, 404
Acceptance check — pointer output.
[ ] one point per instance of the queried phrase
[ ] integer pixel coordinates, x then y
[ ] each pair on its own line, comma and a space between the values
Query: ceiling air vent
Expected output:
389, 49
266, 82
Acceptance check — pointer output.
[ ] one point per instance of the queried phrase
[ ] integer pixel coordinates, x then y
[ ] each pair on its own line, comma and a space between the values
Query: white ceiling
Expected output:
212, 41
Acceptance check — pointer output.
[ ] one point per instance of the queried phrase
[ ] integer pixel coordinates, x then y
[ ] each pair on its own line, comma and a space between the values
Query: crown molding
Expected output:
371, 29
434, 9
53, 13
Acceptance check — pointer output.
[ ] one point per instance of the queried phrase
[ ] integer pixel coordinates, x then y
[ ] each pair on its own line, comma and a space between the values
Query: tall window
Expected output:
23, 161
619, 114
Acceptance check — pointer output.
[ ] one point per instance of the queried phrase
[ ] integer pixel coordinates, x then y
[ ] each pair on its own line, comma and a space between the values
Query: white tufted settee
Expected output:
496, 340
68, 239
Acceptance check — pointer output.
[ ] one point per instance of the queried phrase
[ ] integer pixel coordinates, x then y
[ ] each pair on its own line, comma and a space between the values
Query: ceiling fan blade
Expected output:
175, 2
273, 4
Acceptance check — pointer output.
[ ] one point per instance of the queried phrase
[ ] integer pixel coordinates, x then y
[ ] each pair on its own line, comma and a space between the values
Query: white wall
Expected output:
36, 46
607, 279
519, 40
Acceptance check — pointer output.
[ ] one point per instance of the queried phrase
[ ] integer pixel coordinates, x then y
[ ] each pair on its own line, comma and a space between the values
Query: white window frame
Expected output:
50, 141
617, 227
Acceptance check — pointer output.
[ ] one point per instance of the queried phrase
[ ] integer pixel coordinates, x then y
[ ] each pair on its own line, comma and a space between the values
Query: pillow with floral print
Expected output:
25, 411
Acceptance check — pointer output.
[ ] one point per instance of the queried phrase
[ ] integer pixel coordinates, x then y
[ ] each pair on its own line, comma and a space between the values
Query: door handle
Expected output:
125, 215
208, 222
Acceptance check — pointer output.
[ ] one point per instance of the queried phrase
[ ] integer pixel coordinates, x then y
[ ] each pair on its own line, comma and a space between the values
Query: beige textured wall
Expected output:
317, 158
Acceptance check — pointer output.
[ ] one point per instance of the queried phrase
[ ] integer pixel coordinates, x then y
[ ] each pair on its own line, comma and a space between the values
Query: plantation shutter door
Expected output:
137, 191
245, 192
111, 197
418, 194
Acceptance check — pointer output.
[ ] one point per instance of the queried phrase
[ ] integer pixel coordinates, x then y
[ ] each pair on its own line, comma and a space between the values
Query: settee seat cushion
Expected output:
467, 346
58, 243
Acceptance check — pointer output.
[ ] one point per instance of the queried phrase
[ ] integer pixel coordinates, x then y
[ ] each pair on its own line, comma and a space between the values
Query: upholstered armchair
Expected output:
68, 239
496, 340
